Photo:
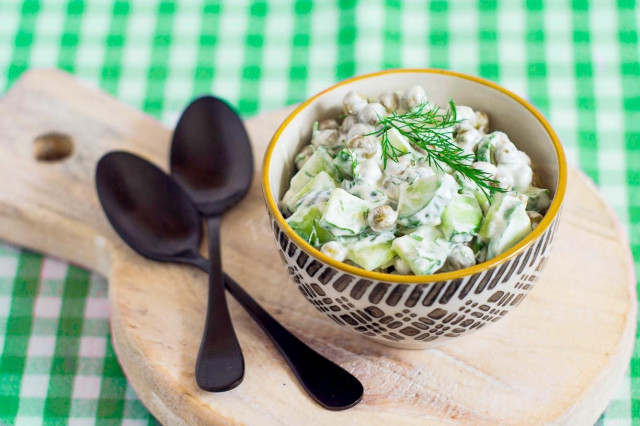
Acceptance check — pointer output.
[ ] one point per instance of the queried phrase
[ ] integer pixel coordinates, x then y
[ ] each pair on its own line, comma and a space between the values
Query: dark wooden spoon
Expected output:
156, 218
211, 158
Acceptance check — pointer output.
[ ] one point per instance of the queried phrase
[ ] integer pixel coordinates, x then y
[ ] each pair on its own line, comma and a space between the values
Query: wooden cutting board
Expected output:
557, 359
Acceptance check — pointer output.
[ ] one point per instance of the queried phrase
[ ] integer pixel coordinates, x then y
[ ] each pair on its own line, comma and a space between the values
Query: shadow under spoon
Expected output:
156, 218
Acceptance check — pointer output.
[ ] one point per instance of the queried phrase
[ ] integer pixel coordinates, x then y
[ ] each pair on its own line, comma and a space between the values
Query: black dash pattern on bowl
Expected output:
419, 315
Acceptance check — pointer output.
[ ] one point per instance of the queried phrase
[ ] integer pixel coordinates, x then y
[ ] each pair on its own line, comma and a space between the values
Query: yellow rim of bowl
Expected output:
416, 279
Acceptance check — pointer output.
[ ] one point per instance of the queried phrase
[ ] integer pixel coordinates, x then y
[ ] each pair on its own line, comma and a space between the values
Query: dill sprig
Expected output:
431, 130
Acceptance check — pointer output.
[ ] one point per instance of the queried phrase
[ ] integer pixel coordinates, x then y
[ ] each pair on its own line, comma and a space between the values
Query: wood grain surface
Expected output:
557, 359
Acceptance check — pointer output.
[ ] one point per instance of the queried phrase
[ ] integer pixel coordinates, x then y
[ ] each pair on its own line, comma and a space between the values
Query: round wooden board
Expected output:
558, 358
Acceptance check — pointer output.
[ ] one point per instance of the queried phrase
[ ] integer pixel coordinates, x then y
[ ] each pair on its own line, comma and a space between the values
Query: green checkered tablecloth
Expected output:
577, 61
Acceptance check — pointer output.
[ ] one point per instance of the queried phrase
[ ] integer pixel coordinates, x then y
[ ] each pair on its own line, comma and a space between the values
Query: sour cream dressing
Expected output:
409, 216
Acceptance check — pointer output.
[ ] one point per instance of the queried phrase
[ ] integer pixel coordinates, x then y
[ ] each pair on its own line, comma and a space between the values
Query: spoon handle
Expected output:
327, 383
220, 364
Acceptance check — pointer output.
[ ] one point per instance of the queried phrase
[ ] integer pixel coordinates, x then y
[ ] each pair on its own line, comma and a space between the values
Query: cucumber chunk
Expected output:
373, 251
345, 162
366, 191
470, 187
322, 181
487, 147
416, 196
345, 214
423, 202
305, 223
314, 197
539, 199
318, 162
506, 223
482, 199
399, 141
495, 217
485, 151
424, 250
518, 226
461, 218
319, 235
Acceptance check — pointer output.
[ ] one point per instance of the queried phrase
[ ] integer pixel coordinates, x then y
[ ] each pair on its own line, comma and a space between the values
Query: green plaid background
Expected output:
578, 61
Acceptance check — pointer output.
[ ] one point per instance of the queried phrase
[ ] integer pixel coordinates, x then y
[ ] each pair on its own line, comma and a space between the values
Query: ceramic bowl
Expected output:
409, 311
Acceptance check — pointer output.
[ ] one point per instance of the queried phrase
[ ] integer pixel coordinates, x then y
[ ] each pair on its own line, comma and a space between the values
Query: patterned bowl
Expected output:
409, 311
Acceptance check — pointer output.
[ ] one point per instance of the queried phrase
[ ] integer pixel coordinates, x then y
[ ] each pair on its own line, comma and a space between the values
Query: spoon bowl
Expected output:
211, 155
158, 219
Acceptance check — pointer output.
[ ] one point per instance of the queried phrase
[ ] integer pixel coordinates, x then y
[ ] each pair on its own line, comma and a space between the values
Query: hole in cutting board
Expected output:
52, 146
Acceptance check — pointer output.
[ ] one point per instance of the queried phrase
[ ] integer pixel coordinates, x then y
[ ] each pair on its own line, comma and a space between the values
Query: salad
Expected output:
400, 185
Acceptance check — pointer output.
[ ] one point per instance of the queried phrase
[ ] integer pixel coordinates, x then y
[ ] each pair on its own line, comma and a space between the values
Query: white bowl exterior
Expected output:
416, 316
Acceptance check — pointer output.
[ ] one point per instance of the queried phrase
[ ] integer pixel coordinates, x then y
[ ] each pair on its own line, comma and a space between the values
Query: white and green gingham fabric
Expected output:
577, 61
